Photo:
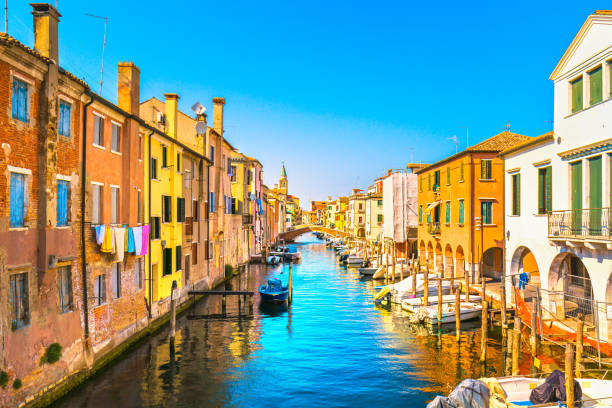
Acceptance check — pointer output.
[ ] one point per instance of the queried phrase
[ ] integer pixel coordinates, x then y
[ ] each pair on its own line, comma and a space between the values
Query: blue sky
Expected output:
340, 91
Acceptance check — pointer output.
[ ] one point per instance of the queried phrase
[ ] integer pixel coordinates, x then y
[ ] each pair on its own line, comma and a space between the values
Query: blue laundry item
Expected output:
131, 247
523, 280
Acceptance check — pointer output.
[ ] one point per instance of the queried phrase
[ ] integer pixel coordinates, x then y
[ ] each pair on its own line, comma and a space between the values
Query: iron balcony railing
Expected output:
247, 219
588, 223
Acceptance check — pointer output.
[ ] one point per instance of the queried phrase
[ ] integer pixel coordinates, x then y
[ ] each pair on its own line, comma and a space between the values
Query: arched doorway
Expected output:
448, 262
459, 263
523, 260
492, 264
361, 233
439, 259
569, 277
430, 255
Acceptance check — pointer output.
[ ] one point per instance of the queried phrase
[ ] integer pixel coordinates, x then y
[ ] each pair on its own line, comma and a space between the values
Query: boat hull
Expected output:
274, 297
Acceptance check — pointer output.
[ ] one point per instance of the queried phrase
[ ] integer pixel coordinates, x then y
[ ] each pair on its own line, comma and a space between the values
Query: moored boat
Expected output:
274, 291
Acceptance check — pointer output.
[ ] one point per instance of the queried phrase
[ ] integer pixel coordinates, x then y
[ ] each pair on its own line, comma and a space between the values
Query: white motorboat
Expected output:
469, 311
414, 303
367, 271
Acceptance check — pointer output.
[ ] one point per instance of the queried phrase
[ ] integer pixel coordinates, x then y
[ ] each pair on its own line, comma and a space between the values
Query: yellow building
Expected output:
340, 213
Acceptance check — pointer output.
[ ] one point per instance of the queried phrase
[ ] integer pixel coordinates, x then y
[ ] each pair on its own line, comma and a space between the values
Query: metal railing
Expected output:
588, 223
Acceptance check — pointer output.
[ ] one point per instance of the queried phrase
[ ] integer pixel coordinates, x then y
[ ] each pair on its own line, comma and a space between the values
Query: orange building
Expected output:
454, 195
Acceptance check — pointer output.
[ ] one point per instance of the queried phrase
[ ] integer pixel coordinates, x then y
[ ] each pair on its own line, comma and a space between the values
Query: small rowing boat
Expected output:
274, 291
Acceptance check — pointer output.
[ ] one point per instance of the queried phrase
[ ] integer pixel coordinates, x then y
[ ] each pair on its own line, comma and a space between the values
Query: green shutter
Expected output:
516, 194
429, 217
420, 213
461, 212
448, 175
595, 86
448, 211
461, 171
485, 212
576, 95
548, 189
595, 197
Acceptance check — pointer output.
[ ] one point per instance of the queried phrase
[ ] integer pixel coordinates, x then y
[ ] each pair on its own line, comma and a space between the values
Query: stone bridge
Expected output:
289, 236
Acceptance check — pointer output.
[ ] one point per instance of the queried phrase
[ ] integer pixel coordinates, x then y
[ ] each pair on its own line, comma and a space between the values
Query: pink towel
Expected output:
145, 240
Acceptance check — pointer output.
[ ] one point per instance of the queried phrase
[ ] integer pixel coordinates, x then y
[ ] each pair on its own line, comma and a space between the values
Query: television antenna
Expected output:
454, 139
103, 47
199, 110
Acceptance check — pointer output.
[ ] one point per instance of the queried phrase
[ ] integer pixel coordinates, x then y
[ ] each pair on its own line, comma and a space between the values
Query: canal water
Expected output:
331, 348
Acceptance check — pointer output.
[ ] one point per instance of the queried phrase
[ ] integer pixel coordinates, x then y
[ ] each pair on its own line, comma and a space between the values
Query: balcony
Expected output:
589, 224
247, 219
434, 228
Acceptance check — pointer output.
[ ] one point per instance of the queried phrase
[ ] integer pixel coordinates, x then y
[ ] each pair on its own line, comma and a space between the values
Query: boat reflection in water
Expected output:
273, 309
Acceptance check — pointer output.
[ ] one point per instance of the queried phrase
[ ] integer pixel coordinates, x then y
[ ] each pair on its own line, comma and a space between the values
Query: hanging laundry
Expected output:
523, 280
107, 244
126, 239
137, 231
145, 240
130, 240
99, 234
119, 234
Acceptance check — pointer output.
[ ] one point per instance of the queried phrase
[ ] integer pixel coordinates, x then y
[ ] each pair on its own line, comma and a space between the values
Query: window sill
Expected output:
97, 146
63, 227
100, 305
460, 225
513, 215
490, 225
487, 180
18, 228
154, 179
116, 152
540, 215
588, 107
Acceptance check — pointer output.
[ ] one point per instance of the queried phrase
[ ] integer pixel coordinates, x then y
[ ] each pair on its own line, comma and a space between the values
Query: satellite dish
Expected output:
198, 108
200, 128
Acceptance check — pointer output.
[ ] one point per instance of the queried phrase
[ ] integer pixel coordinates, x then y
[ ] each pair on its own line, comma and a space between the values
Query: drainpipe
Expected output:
150, 232
83, 186
472, 198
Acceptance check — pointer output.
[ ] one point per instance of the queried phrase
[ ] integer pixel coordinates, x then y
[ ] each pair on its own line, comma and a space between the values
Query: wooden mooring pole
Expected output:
484, 331
439, 303
393, 259
290, 282
426, 286
579, 344
415, 269
172, 311
516, 345
386, 265
458, 313
534, 327
569, 375
504, 322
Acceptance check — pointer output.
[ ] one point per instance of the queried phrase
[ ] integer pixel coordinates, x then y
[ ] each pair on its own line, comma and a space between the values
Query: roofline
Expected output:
546, 137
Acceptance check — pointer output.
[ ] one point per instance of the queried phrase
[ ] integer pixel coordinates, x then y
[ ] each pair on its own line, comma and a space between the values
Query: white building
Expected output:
400, 207
558, 188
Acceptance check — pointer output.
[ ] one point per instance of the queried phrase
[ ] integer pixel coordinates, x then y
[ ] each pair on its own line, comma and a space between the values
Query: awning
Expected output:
432, 205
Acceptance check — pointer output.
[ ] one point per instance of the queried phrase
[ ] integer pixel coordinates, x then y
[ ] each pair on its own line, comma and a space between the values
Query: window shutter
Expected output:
420, 213
62, 203
448, 178
17, 200
15, 99
448, 208
461, 171
548, 189
461, 210
595, 86
179, 258
576, 95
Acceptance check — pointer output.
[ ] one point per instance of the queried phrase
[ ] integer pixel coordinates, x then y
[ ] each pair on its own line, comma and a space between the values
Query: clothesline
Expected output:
120, 239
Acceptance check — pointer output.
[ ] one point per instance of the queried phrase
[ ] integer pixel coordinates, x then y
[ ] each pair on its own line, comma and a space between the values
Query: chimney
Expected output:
171, 113
218, 114
46, 18
129, 88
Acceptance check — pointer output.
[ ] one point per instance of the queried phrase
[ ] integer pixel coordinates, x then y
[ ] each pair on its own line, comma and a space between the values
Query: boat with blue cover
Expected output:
274, 291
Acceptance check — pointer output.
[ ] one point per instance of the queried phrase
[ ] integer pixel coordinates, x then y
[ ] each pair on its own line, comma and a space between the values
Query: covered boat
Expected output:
274, 291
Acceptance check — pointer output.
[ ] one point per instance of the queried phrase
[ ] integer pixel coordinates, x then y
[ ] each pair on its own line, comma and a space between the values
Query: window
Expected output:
64, 288
429, 182
116, 280
485, 212
139, 147
595, 86
63, 203
360, 206
212, 202
212, 154
436, 180
167, 208
17, 200
180, 209
380, 203
96, 204
194, 253
179, 258
211, 250
19, 298
178, 162
164, 157
544, 190
448, 212
114, 205
155, 228
233, 174
420, 183
140, 210
20, 100
429, 217
448, 176
153, 168
229, 167
63, 121
461, 212
167, 260
461, 172
516, 194
98, 134
138, 271
116, 140
100, 290
195, 210
485, 169
420, 213
360, 220
576, 86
